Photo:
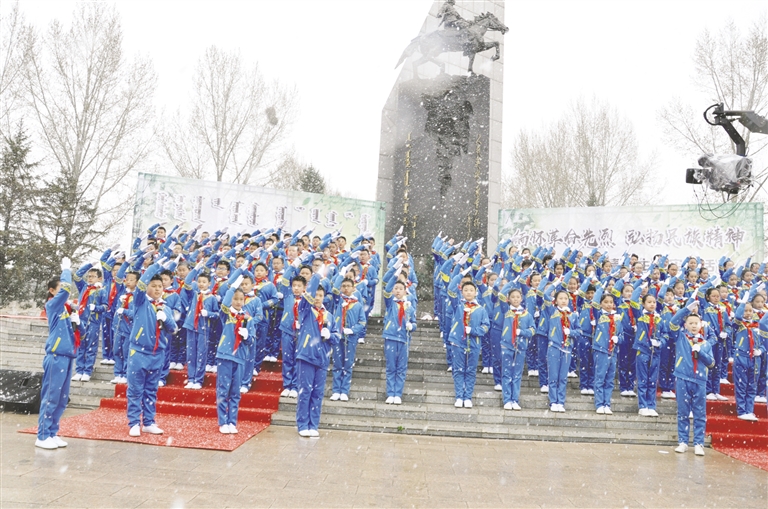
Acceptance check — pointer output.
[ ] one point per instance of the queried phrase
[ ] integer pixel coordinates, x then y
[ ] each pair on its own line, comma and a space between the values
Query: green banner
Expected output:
735, 230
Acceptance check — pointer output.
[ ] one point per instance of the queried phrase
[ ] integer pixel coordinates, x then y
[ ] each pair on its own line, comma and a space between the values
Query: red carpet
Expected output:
188, 417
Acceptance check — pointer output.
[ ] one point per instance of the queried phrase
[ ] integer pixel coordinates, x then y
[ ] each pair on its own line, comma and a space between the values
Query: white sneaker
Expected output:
189, 385
724, 381
608, 411
304, 433
344, 397
530, 372
458, 403
516, 406
600, 410
760, 399
390, 400
591, 392
508, 406
243, 389
747, 417
467, 403
572, 374
208, 369
698, 450
668, 395
397, 400
360, 341
160, 383
561, 408
115, 380
497, 387
450, 368
490, 370
544, 389
104, 361
196, 387
123, 380
85, 378
535, 372
485, 371
690, 414
313, 433
720, 397
172, 365
585, 392
643, 412
152, 429
135, 431
111, 362
335, 396
711, 397
49, 443
255, 373
285, 393
553, 407
213, 369
628, 394
652, 413
681, 448
294, 394
59, 441
224, 429
233, 429
730, 360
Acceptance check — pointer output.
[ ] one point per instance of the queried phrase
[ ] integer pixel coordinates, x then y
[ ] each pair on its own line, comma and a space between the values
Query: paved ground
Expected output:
277, 468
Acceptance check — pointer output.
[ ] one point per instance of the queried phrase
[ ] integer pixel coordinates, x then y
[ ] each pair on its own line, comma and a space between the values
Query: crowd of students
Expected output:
227, 303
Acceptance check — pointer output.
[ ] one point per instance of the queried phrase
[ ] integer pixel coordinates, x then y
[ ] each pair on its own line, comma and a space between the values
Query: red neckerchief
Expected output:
575, 300
198, 308
344, 309
260, 281
401, 312
515, 325
720, 319
651, 325
239, 318
295, 312
126, 303
631, 315
611, 331
565, 324
84, 301
76, 330
468, 315
694, 355
749, 326
364, 272
157, 327
760, 313
112, 293
277, 276
216, 285
320, 318
728, 307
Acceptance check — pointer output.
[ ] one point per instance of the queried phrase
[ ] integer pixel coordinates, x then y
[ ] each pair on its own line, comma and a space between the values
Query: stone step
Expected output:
486, 430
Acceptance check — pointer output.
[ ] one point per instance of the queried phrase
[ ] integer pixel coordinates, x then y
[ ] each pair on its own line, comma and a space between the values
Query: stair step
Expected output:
167, 407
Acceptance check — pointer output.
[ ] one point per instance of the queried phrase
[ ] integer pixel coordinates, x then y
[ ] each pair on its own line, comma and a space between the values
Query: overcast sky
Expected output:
341, 55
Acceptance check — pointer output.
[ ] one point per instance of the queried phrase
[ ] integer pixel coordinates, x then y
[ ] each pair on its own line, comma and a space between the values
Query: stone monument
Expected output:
440, 151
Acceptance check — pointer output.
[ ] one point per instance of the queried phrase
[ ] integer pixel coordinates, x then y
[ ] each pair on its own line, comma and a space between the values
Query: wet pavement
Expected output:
277, 468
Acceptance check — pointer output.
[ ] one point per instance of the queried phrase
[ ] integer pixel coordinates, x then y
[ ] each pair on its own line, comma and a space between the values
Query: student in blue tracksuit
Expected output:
747, 347
532, 304
237, 331
650, 339
127, 277
469, 324
587, 324
350, 322
608, 334
93, 303
715, 314
694, 357
399, 322
203, 310
627, 355
517, 331
316, 339
290, 325
152, 328
667, 359
57, 363
563, 329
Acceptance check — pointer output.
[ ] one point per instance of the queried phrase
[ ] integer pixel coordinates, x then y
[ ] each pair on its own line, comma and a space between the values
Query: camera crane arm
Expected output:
752, 121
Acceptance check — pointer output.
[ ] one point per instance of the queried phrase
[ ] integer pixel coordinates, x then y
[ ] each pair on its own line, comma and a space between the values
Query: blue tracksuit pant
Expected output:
495, 336
290, 379
586, 363
532, 354
605, 372
691, 397
745, 381
274, 333
197, 349
179, 346
713, 380
86, 354
512, 362
228, 376
762, 370
647, 366
121, 354
166, 363
543, 345
107, 343
256, 355
486, 351
143, 375
311, 380
343, 360
396, 356
667, 367
54, 395
730, 351
558, 364
214, 335
626, 361
464, 371
448, 349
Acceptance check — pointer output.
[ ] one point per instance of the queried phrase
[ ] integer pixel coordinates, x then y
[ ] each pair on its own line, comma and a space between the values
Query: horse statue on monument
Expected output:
467, 36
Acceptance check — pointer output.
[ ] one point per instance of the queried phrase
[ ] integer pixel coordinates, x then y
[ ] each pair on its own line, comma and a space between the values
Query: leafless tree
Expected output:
15, 39
731, 67
92, 105
587, 158
287, 174
235, 122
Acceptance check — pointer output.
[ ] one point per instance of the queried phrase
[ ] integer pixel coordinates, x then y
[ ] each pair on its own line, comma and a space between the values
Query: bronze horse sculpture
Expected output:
469, 39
